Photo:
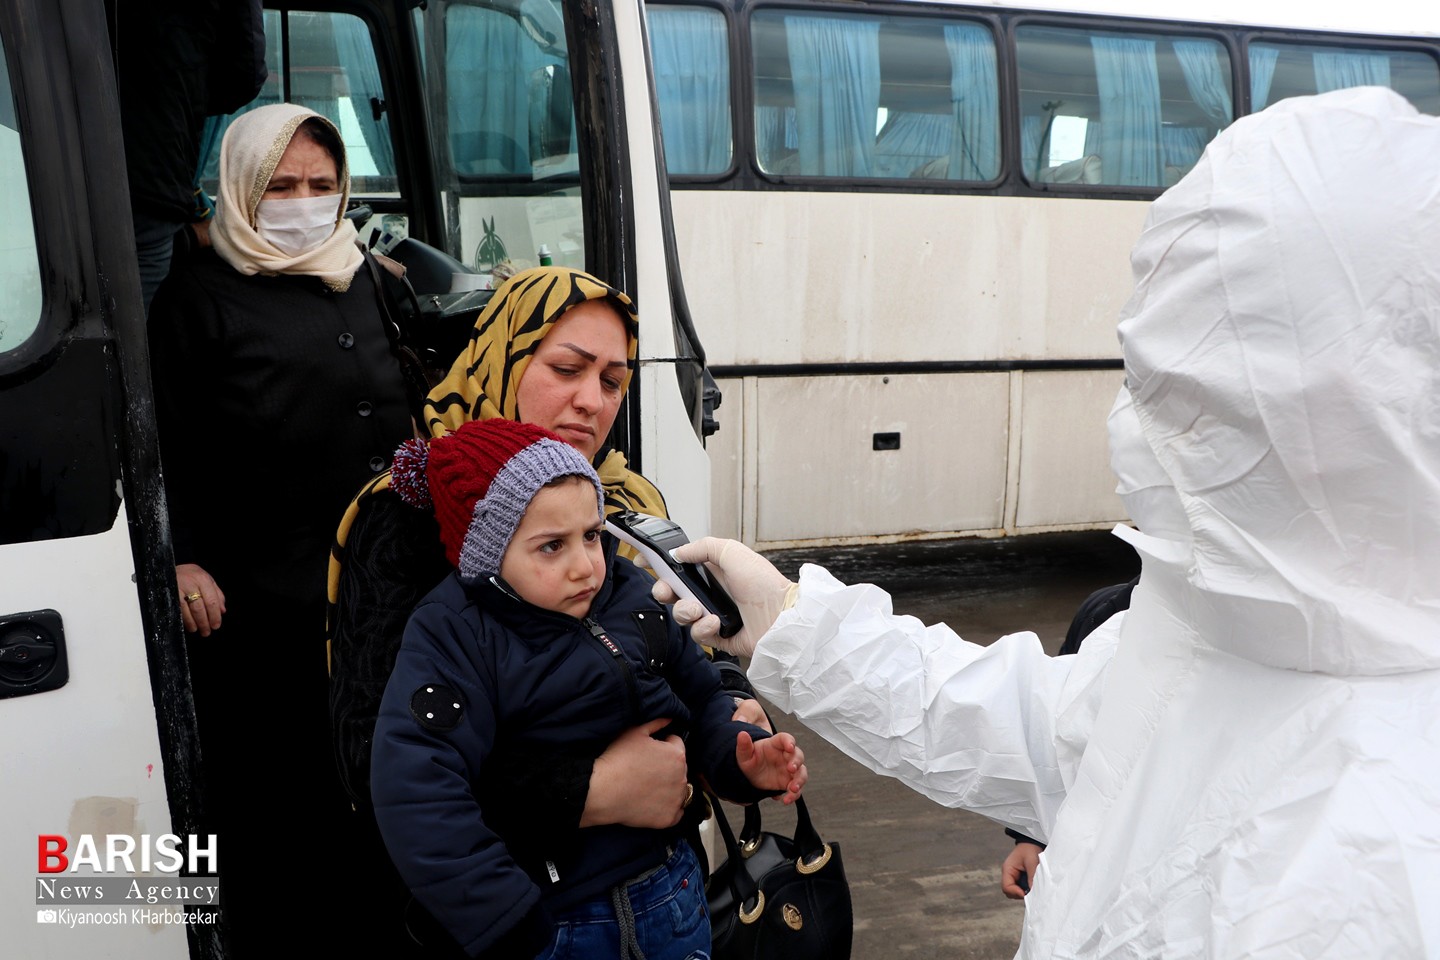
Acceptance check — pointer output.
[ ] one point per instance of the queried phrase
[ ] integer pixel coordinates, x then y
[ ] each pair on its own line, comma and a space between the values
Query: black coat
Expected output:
178, 62
276, 400
484, 678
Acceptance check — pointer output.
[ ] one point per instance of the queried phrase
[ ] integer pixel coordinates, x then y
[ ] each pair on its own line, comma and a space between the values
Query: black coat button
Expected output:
377, 464
346, 341
364, 408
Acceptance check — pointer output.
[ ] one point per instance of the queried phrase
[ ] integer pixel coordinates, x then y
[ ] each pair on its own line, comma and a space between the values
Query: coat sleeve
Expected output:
237, 60
432, 739
186, 339
997, 730
711, 746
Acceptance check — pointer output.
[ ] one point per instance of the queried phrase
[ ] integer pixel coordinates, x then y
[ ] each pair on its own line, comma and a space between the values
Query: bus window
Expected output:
1122, 109
1280, 70
498, 79
331, 70
19, 265
508, 113
690, 50
840, 95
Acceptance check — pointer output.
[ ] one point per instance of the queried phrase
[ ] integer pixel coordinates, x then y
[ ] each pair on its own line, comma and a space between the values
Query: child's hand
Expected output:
1018, 870
776, 763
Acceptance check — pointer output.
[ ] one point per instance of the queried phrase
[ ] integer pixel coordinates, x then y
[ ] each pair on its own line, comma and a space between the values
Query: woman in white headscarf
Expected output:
277, 397
1243, 765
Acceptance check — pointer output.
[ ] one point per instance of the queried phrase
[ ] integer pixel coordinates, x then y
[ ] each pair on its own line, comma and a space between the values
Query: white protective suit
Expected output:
1247, 763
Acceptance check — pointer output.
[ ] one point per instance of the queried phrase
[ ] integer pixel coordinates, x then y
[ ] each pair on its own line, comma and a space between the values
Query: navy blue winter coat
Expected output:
483, 678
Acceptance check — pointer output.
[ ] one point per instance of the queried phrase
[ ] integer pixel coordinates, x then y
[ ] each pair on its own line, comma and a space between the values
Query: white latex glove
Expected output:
760, 592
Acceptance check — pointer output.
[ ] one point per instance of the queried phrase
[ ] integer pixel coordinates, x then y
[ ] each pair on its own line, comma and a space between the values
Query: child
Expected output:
543, 639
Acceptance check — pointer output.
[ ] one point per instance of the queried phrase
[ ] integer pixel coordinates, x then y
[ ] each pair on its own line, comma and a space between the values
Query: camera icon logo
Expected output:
46, 916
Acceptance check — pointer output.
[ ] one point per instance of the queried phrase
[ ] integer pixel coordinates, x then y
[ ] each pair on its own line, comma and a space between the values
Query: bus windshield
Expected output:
500, 113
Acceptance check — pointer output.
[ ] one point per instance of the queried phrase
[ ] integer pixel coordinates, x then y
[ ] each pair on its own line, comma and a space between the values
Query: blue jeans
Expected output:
668, 905
154, 243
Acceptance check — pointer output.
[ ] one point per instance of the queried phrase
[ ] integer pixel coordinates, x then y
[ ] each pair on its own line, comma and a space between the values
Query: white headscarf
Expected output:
252, 148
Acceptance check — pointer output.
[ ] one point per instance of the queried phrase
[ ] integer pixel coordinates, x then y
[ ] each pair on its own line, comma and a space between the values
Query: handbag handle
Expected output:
742, 885
814, 852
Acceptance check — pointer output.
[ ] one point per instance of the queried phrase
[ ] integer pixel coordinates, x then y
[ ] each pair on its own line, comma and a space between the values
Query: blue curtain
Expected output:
1129, 87
692, 80
974, 147
210, 137
1262, 72
1183, 145
835, 69
1032, 130
911, 140
1205, 79
776, 138
1339, 69
357, 63
488, 63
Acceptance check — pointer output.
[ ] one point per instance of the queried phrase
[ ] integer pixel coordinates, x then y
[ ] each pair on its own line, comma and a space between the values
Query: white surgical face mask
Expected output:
296, 225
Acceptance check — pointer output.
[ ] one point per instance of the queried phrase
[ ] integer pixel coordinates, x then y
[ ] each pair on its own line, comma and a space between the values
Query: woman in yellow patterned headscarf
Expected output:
387, 555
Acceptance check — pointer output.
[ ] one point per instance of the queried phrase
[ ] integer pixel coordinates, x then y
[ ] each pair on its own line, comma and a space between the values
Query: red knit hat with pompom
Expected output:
479, 480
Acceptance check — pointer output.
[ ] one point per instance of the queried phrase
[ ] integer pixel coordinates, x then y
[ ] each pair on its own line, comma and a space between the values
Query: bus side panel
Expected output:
991, 283
1062, 427
794, 277
948, 461
839, 458
84, 758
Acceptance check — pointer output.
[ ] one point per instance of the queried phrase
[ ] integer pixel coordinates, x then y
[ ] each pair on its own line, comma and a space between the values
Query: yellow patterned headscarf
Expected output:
483, 380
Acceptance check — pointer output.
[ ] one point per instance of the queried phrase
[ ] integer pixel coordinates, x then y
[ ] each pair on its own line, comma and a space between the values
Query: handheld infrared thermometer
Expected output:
654, 538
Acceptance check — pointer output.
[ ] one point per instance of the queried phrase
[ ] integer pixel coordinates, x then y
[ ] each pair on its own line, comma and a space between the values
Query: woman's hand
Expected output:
639, 781
775, 763
1022, 863
201, 600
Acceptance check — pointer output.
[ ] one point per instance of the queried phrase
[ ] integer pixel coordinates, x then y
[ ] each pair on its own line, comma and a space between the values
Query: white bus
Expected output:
480, 124
905, 229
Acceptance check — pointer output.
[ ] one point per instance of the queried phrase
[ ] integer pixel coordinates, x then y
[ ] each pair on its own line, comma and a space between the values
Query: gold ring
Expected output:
689, 794
191, 598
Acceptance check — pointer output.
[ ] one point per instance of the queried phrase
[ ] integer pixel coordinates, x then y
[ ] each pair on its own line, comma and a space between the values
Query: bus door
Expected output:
504, 134
94, 700
546, 146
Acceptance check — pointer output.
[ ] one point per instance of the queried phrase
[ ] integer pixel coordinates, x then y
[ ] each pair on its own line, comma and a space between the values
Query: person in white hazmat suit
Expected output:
1247, 762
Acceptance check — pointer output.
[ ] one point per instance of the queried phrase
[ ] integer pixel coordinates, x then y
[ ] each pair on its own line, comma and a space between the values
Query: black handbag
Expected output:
777, 897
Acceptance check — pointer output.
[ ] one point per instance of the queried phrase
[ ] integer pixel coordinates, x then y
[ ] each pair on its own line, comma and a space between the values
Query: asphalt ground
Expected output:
924, 879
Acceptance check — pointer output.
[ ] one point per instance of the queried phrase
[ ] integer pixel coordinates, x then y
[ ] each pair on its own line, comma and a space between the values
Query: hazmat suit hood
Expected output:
1282, 349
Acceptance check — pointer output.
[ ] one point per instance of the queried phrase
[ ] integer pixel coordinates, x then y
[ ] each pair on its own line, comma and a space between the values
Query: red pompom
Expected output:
407, 473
